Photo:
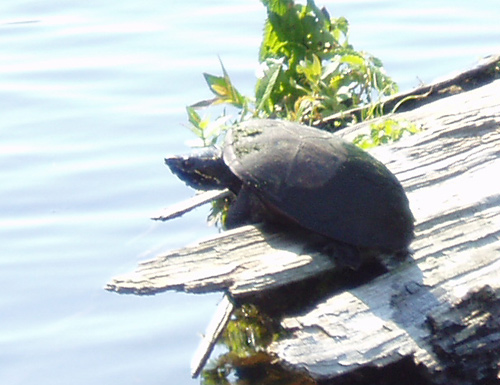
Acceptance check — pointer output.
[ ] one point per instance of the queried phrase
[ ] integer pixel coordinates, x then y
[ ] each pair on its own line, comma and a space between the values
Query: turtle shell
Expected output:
321, 182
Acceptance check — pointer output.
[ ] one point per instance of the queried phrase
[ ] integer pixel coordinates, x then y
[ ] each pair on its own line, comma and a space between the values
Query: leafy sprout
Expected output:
388, 131
308, 71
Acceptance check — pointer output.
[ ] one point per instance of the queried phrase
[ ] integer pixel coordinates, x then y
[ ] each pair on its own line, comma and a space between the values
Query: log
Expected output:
440, 308
242, 261
443, 309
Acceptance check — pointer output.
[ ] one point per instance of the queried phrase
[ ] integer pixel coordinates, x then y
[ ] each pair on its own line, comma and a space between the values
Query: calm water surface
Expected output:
92, 96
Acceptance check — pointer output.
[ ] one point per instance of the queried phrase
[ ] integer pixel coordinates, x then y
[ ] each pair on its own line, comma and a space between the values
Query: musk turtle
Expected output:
287, 172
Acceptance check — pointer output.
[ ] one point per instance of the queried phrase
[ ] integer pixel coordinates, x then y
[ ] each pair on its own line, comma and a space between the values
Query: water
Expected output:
92, 97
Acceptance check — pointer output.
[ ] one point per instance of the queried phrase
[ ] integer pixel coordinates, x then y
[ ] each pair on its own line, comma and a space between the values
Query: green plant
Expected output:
320, 73
388, 131
309, 70
245, 339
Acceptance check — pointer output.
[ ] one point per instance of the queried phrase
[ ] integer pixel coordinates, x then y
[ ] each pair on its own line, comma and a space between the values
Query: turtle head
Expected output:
204, 171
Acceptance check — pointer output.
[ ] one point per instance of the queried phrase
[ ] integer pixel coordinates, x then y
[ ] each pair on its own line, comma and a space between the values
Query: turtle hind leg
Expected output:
344, 254
349, 256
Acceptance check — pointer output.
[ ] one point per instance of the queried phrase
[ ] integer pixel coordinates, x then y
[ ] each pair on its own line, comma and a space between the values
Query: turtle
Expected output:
289, 173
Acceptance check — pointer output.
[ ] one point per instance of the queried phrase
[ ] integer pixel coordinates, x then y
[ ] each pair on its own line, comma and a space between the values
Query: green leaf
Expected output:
311, 69
266, 84
217, 85
222, 87
354, 60
277, 6
316, 66
235, 97
205, 103
193, 117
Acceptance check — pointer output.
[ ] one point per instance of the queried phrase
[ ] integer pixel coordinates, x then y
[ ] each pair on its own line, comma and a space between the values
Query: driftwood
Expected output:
441, 308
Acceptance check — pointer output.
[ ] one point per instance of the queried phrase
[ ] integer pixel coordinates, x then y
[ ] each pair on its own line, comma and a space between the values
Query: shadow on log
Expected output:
438, 311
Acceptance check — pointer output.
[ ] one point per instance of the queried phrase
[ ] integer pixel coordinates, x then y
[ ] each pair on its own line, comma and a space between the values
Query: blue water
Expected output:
92, 97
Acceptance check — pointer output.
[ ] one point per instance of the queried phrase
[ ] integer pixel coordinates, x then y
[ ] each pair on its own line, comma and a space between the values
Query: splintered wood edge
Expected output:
243, 260
212, 334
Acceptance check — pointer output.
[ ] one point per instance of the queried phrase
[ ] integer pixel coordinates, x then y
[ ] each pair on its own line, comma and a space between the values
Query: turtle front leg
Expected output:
246, 209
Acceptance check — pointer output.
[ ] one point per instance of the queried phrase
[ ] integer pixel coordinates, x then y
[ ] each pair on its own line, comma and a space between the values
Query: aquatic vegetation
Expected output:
308, 71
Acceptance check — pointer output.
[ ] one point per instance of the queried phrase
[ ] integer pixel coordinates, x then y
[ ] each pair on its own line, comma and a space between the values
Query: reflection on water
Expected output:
92, 99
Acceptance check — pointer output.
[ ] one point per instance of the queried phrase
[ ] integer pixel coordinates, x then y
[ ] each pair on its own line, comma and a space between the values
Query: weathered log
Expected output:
242, 261
451, 173
441, 308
